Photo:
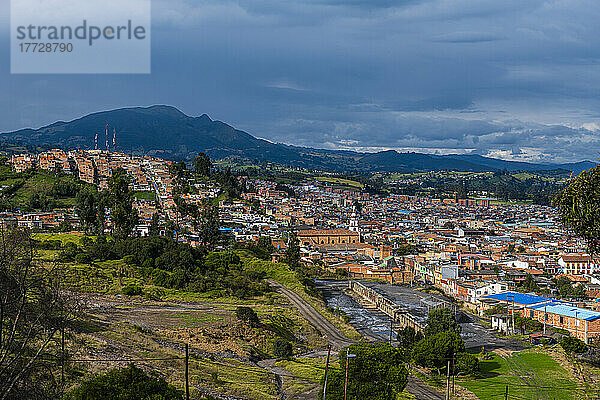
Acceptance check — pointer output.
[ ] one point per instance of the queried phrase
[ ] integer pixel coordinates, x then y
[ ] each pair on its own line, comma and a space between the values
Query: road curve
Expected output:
333, 335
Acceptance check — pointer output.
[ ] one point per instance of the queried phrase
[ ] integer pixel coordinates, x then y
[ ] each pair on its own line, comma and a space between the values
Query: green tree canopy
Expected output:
434, 351
441, 320
202, 164
292, 254
376, 373
579, 206
122, 213
130, 383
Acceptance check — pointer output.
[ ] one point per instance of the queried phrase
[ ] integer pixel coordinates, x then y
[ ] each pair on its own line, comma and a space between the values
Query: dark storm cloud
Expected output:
509, 78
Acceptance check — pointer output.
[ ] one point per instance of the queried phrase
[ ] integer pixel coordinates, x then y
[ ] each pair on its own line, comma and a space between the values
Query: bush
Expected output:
282, 348
466, 364
69, 251
132, 290
573, 345
82, 258
248, 315
129, 383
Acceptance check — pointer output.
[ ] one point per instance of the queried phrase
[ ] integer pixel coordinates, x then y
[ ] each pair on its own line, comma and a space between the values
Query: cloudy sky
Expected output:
512, 79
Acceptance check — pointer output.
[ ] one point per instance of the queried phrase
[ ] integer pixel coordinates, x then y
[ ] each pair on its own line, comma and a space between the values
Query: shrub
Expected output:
248, 315
69, 251
129, 383
466, 363
132, 290
282, 348
573, 345
82, 258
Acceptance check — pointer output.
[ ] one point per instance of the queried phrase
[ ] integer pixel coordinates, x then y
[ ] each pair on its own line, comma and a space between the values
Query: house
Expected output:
576, 264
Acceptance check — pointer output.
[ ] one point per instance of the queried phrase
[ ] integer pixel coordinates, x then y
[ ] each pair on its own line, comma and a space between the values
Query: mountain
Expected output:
166, 132
495, 163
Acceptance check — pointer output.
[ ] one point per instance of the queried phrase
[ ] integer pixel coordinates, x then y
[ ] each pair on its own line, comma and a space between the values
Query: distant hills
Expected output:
166, 132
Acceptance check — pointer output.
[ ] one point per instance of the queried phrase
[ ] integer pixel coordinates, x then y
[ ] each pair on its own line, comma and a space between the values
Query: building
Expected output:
576, 264
579, 322
317, 237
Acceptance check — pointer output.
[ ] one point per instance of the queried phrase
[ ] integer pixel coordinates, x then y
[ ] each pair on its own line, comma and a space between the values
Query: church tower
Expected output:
354, 221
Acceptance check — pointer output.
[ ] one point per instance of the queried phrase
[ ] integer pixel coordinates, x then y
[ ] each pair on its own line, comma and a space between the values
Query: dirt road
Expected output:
334, 336
337, 339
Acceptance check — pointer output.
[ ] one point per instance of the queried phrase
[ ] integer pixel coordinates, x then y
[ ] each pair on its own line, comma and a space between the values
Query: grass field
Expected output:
528, 374
340, 181
148, 196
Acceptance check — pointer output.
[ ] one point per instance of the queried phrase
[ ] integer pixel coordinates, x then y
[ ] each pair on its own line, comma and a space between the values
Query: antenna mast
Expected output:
106, 136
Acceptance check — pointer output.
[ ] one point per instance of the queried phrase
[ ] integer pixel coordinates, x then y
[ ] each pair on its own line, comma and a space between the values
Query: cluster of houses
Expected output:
478, 251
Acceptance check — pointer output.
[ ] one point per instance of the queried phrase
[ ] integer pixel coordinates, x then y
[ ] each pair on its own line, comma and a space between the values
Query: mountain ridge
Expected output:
165, 131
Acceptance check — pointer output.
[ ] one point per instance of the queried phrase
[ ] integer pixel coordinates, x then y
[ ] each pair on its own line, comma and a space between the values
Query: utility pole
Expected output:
506, 393
62, 354
576, 322
545, 315
453, 374
187, 376
391, 328
448, 382
348, 357
326, 371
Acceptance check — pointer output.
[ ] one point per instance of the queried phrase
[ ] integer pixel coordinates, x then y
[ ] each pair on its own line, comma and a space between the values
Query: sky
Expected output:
512, 79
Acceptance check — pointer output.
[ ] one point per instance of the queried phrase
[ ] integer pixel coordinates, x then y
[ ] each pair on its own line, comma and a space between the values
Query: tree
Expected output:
33, 310
154, 229
434, 351
263, 248
408, 336
441, 320
292, 254
209, 225
579, 206
282, 348
376, 373
357, 206
86, 207
530, 284
202, 164
130, 383
122, 213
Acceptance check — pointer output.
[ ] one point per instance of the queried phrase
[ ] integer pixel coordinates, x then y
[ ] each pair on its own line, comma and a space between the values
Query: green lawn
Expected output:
340, 181
145, 195
522, 372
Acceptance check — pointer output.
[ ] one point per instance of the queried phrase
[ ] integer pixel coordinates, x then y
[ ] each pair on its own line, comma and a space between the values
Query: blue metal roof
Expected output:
568, 311
520, 298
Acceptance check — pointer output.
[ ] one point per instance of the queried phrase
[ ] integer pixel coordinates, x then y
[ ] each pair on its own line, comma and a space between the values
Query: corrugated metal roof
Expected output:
519, 298
568, 311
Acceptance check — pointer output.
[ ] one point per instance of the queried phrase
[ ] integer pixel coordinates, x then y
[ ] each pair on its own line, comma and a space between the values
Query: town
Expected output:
483, 253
